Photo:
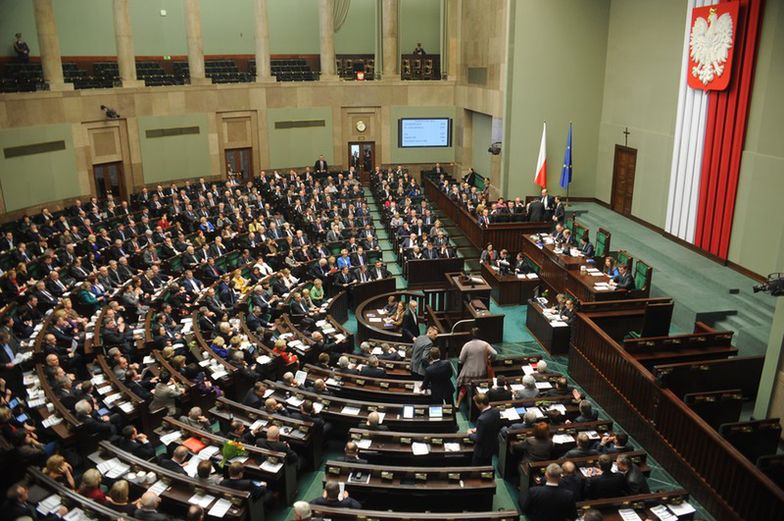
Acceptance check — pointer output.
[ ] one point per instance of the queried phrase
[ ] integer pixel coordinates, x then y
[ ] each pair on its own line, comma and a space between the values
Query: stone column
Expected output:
49, 44
327, 32
390, 26
123, 35
263, 70
195, 44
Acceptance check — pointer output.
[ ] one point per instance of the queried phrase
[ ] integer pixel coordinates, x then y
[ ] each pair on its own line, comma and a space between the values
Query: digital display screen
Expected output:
424, 132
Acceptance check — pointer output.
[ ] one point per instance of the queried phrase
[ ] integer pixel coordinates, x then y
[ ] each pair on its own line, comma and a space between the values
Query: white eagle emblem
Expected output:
710, 43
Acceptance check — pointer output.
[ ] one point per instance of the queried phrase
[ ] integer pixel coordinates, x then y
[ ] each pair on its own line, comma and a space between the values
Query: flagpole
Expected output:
569, 185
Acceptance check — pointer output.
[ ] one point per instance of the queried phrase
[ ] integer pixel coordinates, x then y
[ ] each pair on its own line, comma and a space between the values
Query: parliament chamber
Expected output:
322, 260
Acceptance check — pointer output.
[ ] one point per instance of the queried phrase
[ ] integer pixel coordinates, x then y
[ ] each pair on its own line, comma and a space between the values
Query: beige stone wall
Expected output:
236, 116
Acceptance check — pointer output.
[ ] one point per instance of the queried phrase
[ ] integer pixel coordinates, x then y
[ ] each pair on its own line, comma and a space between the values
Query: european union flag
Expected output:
566, 171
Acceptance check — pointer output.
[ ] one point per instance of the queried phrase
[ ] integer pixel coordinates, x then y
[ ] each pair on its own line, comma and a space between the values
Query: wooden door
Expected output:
238, 162
108, 179
624, 165
362, 156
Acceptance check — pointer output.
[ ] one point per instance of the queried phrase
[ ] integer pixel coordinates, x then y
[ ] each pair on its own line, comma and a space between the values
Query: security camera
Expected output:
110, 113
495, 148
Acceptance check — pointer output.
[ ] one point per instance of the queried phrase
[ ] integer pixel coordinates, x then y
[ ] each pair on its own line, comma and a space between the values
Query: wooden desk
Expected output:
338, 411
443, 489
555, 340
684, 444
491, 325
582, 285
460, 292
502, 235
284, 480
42, 486
508, 456
346, 514
363, 291
182, 487
532, 473
554, 265
395, 448
301, 435
429, 272
360, 387
640, 503
509, 290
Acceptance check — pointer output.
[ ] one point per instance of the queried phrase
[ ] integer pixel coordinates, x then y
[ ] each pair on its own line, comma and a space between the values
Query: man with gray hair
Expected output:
529, 389
549, 502
302, 512
196, 419
148, 508
345, 367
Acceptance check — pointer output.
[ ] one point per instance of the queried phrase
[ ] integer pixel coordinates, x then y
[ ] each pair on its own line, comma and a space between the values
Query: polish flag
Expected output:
541, 163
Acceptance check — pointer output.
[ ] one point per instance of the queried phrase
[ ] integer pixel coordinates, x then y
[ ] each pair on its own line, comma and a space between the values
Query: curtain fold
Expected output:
339, 13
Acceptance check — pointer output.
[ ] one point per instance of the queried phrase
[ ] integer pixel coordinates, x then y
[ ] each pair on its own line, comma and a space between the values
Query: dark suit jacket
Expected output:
609, 484
560, 213
573, 483
547, 503
438, 378
486, 436
498, 394
627, 281
170, 464
317, 167
536, 212
149, 515
410, 327
636, 482
588, 250
373, 372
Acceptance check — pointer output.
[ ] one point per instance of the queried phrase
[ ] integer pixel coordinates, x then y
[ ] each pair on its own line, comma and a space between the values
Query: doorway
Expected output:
362, 156
108, 179
624, 166
238, 163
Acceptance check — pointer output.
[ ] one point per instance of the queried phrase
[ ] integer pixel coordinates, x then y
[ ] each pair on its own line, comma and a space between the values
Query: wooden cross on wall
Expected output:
626, 137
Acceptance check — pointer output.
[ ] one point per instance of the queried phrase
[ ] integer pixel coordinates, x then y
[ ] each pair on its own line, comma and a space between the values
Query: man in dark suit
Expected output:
626, 280
17, 505
559, 212
379, 271
332, 497
297, 308
438, 378
548, 203
372, 369
148, 508
635, 479
237, 481
499, 392
273, 442
135, 443
608, 483
549, 502
373, 423
571, 480
351, 454
8, 368
485, 434
536, 211
410, 326
320, 166
177, 460
255, 395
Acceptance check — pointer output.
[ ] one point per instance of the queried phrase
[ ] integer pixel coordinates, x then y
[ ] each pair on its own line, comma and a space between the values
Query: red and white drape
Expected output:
709, 134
